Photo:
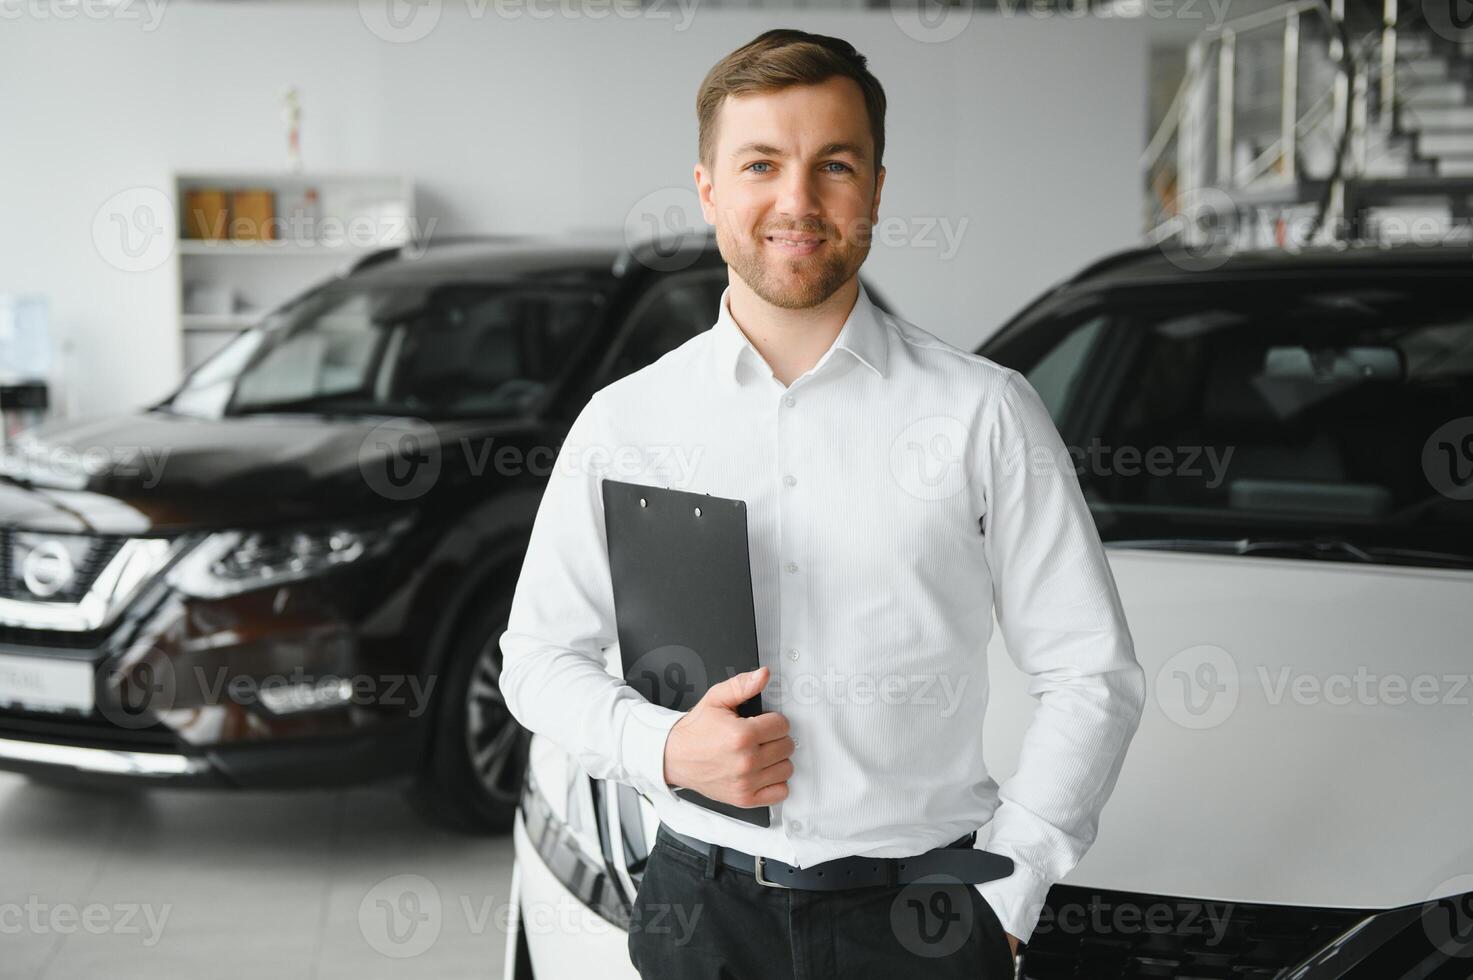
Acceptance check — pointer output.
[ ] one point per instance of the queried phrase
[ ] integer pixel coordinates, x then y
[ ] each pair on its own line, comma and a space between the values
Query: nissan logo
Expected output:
47, 569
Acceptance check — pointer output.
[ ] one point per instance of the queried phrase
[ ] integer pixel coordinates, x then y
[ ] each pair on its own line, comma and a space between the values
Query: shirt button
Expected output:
790, 567
795, 743
796, 826
789, 400
793, 654
790, 480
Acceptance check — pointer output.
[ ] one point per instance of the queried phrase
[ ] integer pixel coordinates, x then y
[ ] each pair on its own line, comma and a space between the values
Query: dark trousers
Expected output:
695, 920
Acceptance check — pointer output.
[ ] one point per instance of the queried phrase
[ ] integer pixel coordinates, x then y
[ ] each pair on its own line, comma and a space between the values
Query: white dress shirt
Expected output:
897, 493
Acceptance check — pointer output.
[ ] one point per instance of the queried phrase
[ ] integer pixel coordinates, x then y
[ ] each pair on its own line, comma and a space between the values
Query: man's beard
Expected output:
770, 274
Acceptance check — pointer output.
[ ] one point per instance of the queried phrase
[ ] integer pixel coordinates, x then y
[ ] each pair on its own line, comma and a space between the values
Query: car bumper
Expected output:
338, 761
202, 717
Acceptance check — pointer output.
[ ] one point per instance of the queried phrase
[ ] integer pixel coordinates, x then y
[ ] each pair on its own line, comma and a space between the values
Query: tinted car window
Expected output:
670, 313
1323, 417
431, 350
1057, 374
208, 388
330, 358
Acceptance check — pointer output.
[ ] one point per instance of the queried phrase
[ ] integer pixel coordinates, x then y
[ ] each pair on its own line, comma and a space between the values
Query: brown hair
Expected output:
776, 60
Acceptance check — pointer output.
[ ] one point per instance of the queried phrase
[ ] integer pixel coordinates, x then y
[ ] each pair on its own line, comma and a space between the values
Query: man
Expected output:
899, 490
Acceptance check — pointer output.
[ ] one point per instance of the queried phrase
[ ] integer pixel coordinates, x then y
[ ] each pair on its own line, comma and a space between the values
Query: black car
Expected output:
295, 570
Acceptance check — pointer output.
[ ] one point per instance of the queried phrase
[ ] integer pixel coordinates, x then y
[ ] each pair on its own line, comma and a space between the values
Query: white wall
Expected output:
1027, 130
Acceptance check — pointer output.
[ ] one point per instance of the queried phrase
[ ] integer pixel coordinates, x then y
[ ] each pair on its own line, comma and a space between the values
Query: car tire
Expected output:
476, 756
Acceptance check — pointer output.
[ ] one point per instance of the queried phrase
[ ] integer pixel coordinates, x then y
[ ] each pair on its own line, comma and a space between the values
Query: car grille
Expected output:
25, 636
1098, 934
88, 555
92, 731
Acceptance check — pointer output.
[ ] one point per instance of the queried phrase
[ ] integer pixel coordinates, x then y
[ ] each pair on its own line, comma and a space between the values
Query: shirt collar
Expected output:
863, 335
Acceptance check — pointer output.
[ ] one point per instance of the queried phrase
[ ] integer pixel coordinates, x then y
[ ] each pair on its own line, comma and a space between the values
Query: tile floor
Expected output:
202, 885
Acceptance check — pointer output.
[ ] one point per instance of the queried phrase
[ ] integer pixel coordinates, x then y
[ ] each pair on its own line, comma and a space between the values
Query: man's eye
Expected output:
763, 163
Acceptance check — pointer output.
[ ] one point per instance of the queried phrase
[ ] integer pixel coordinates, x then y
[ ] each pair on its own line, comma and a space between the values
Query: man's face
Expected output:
792, 190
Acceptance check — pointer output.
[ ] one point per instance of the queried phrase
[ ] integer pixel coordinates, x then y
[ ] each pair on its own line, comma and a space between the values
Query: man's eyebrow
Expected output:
853, 149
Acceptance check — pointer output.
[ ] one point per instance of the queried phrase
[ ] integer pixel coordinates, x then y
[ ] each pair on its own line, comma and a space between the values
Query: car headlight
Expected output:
569, 828
227, 563
1431, 939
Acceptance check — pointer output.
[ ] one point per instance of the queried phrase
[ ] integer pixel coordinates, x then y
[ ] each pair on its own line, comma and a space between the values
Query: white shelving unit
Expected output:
354, 215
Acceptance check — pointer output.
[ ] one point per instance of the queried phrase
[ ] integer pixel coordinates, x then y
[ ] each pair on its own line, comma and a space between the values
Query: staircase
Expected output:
1299, 125
1436, 112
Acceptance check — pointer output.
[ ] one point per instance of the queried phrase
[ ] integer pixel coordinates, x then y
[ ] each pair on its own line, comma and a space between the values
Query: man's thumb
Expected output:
734, 690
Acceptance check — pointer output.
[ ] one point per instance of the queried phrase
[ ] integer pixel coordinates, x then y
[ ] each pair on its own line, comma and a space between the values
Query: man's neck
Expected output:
791, 341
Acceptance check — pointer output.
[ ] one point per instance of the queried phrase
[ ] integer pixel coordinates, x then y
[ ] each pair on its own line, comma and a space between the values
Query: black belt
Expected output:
959, 861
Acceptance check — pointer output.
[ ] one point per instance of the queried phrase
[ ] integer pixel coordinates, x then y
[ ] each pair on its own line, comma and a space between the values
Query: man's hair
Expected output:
776, 60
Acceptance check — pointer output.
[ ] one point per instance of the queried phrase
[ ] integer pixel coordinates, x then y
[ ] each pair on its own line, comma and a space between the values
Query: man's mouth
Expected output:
795, 244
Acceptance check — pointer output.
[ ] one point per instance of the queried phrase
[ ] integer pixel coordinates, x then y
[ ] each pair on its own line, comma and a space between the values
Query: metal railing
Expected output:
1362, 97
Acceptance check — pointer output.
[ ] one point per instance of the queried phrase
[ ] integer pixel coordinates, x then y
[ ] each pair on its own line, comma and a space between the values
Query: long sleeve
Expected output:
562, 617
1063, 624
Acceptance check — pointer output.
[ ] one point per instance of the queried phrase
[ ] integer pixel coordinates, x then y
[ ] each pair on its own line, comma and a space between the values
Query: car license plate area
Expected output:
46, 684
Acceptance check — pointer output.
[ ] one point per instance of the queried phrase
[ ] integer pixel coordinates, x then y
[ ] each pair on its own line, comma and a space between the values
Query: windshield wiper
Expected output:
1326, 547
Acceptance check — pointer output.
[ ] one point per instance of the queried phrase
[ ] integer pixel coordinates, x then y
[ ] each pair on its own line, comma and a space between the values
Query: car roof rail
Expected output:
420, 245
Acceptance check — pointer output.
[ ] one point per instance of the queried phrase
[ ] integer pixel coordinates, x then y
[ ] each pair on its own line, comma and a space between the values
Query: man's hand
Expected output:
728, 758
736, 760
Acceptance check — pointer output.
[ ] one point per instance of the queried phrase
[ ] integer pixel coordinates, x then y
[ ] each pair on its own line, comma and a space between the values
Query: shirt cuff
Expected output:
1017, 899
643, 747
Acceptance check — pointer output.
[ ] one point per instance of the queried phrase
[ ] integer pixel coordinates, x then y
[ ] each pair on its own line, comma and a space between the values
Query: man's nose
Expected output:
798, 198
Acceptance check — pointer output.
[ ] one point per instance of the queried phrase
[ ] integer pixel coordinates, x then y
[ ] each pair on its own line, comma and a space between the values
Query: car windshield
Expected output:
1323, 419
434, 350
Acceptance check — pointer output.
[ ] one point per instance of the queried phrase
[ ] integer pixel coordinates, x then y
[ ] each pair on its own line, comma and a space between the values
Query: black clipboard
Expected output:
682, 581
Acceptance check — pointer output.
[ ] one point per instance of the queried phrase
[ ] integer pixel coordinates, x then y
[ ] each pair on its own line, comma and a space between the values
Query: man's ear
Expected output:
874, 214
703, 193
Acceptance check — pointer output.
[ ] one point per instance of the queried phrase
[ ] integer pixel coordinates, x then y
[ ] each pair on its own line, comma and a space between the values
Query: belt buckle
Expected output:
758, 866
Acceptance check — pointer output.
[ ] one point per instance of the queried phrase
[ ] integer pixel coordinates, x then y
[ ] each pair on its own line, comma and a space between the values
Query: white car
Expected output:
1278, 449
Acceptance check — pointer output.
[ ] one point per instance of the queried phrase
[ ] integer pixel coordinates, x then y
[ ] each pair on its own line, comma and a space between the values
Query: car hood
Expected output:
1304, 735
156, 472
